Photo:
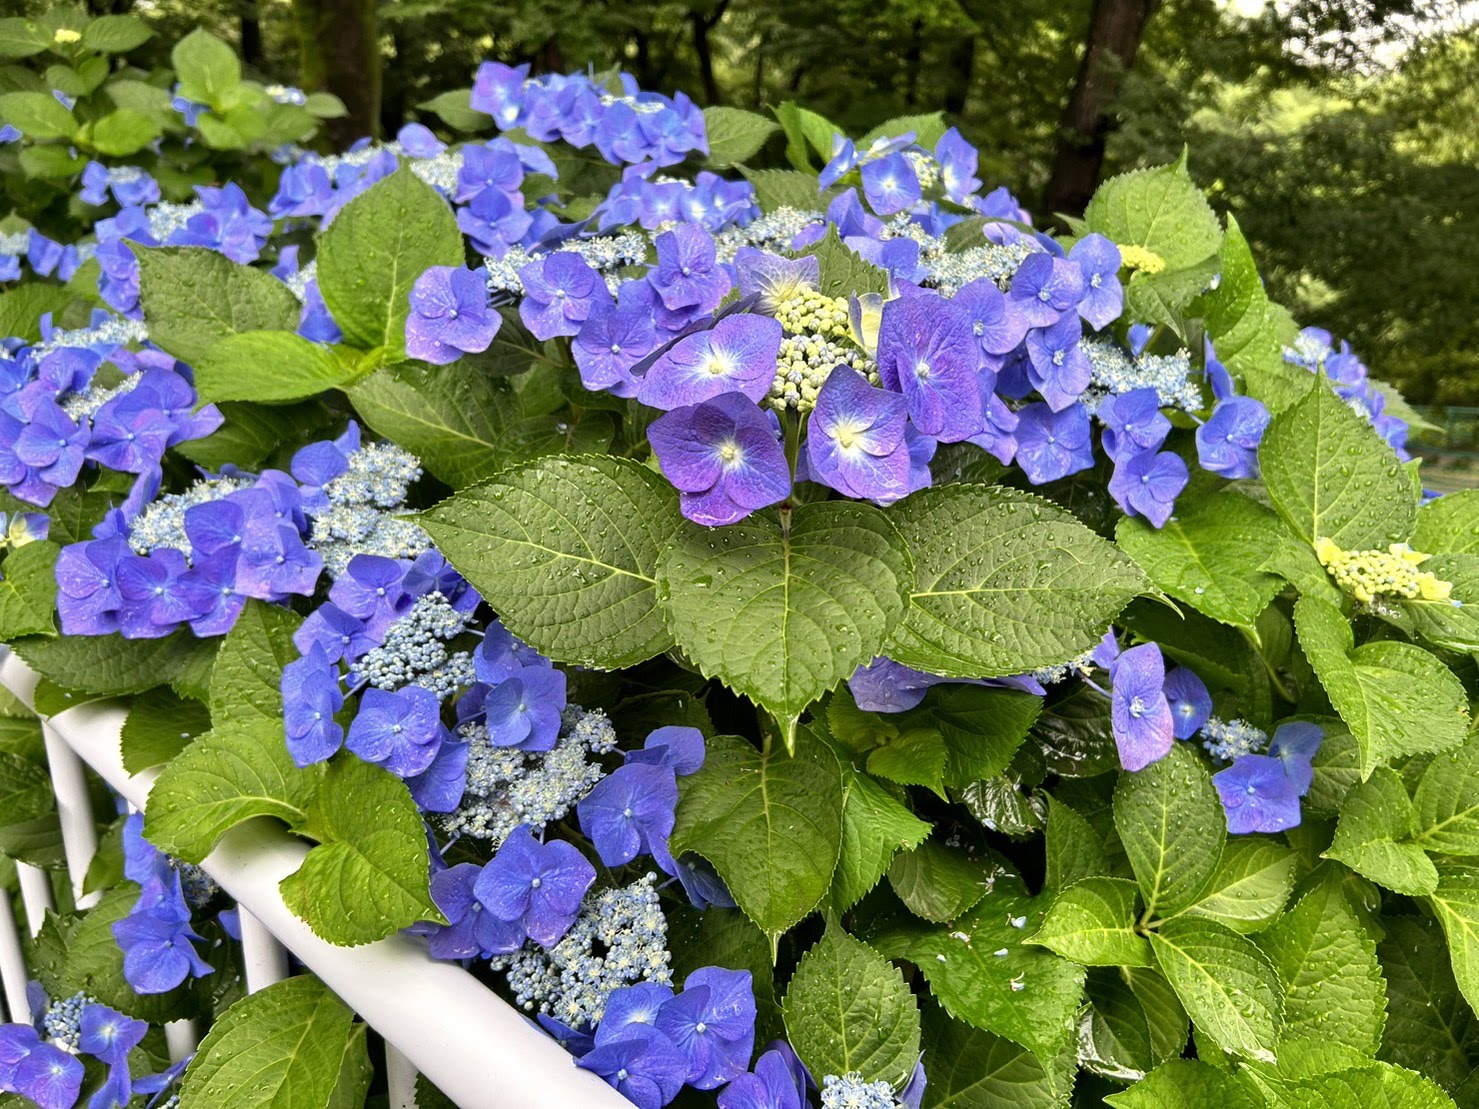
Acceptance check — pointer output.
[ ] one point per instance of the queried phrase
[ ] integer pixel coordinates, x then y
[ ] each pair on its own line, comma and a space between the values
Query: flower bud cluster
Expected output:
1367, 575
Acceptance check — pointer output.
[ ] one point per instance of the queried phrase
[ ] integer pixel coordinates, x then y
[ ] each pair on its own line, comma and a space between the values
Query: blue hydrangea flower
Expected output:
737, 355
1052, 445
676, 746
957, 160
400, 729
150, 586
88, 600
1190, 702
772, 1085
158, 952
38, 1070
995, 319
1057, 365
501, 655
370, 590
1104, 297
1148, 484
855, 439
1133, 423
498, 91
712, 1024
109, 1036
1295, 743
560, 292
471, 930
643, 1065
723, 457
1045, 287
1227, 444
890, 184
631, 812
688, 274
449, 316
614, 338
538, 886
524, 710
439, 788
310, 698
1257, 795
773, 279
340, 635
1140, 714
928, 351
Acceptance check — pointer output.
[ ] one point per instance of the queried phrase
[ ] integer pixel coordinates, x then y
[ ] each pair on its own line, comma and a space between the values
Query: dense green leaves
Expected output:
1226, 984
272, 367
782, 608
970, 1068
1251, 884
1004, 582
1093, 922
28, 590
1446, 805
1186, 1084
566, 551
1429, 1028
939, 883
194, 298
769, 822
875, 825
1373, 836
1455, 903
110, 666
1171, 823
848, 1010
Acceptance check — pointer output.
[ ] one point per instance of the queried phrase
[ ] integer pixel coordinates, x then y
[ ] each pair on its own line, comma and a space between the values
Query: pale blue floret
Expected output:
62, 1022
414, 650
1115, 370
606, 254
1232, 739
852, 1091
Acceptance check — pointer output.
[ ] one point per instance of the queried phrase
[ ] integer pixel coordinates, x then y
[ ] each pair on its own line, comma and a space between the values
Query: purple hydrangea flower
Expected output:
1227, 444
614, 338
1257, 795
560, 292
538, 886
1133, 423
772, 279
158, 952
1056, 364
1295, 744
1045, 287
890, 184
631, 812
439, 788
737, 355
36, 1069
773, 1085
339, 634
1148, 484
498, 90
1104, 297
995, 319
855, 439
471, 930
310, 698
642, 1064
501, 655
1140, 713
1190, 702
678, 747
928, 351
153, 602
88, 600
712, 1023
400, 729
449, 316
1052, 445
723, 458
688, 274
957, 160
524, 710
370, 590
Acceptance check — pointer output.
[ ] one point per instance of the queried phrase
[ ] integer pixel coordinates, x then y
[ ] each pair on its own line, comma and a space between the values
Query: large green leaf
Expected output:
783, 607
566, 550
734, 135
1159, 209
848, 1010
1429, 1026
1093, 922
272, 367
368, 878
193, 298
28, 590
208, 69
1331, 476
1074, 850
38, 115
373, 252
875, 825
247, 678
982, 970
1455, 903
1186, 1084
1378, 1086
1004, 582
1373, 836
1396, 698
982, 728
466, 427
160, 724
280, 1048
1226, 984
970, 1068
230, 774
1210, 555
1333, 988
939, 883
770, 823
1446, 805
108, 665
1449, 525
1172, 825
22, 307
1251, 884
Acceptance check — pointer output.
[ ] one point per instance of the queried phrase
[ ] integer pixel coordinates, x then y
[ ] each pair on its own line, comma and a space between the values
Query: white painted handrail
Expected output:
479, 1050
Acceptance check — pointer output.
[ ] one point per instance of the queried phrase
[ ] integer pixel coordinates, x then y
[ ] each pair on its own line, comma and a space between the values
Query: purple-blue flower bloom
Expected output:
1057, 365
1104, 297
614, 338
1258, 795
1190, 702
1052, 445
631, 812
1148, 484
737, 355
772, 1085
688, 274
957, 160
401, 729
1227, 444
471, 930
36, 1069
890, 184
1295, 743
995, 319
1045, 287
88, 600
1133, 423
524, 710
560, 292
676, 746
723, 458
1140, 714
157, 950
310, 698
712, 1023
928, 351
439, 788
538, 886
449, 316
855, 439
642, 1064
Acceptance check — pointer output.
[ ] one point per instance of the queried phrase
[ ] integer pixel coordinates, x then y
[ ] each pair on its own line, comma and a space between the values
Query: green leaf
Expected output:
1113, 1037
806, 131
1093, 922
1396, 698
246, 682
22, 38
272, 366
124, 132
982, 728
847, 1010
1186, 1084
1164, 1016
734, 135
28, 590
1446, 805
280, 1047
1072, 846
25, 790
50, 162
1160, 209
1378, 1086
325, 105
565, 551
373, 252
1226, 984
1165, 297
194, 298
160, 724
875, 825
1429, 1027
1443, 623
1210, 555
21, 309
466, 427
355, 1072
454, 108
939, 883
115, 34
770, 823
912, 758
1449, 524
843, 271
230, 774
1251, 884
782, 612
1171, 822
1371, 838
208, 70
927, 128
1028, 995
1333, 988
785, 188
38, 115
108, 665
970, 1068
1248, 331
368, 878
1003, 804
1005, 582
1455, 903
1331, 476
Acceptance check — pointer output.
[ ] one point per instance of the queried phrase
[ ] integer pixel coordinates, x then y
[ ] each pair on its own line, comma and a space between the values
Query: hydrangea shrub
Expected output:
806, 634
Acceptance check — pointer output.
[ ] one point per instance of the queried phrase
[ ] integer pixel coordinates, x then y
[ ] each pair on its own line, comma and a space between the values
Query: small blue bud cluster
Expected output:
1232, 739
357, 512
853, 1091
775, 230
605, 254
1117, 371
62, 1021
414, 650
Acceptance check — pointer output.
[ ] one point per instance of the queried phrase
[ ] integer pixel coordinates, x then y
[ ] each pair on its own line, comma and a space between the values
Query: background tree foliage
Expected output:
1341, 133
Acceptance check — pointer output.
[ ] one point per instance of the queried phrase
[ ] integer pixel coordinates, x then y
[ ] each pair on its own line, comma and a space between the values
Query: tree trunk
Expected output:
339, 52
702, 24
913, 58
1115, 30
251, 35
960, 70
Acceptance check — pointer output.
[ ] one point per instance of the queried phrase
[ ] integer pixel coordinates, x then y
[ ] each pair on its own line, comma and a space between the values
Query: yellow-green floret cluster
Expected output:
1367, 575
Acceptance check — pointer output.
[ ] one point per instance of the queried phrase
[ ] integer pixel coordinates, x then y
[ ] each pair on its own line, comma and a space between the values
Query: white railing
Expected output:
434, 1016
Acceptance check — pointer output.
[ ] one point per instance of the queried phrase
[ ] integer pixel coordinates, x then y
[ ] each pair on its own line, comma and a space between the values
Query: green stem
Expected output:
1273, 675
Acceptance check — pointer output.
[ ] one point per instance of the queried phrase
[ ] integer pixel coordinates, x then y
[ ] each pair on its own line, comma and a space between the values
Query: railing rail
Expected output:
434, 1016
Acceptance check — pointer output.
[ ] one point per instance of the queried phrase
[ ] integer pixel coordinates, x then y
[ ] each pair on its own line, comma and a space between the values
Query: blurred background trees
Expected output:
1344, 134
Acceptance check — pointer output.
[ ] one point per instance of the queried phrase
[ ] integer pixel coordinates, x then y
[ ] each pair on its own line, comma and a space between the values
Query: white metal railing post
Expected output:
36, 895
74, 811
400, 1079
266, 960
12, 964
